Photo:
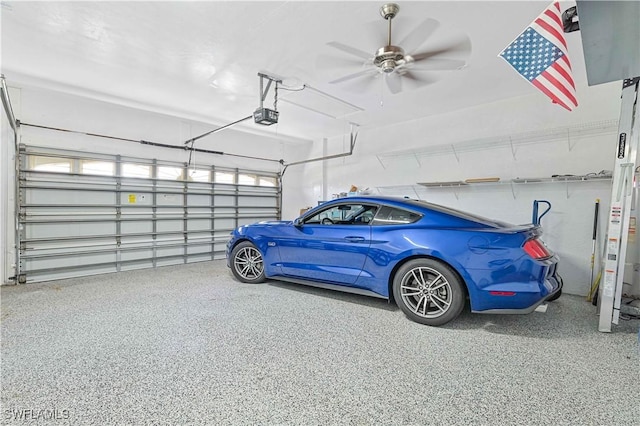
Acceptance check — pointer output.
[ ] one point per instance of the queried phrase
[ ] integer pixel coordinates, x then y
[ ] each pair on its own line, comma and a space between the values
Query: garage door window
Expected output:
197, 175
247, 179
169, 173
103, 168
50, 164
136, 170
224, 177
266, 181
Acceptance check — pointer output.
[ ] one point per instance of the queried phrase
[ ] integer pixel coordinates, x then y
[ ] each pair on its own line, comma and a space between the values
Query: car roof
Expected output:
421, 206
385, 199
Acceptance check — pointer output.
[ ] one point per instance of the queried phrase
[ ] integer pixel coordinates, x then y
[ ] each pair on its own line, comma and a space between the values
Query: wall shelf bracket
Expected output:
513, 148
453, 148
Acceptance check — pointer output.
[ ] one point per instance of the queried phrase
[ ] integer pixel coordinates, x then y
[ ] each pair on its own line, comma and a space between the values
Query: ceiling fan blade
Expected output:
362, 85
421, 80
394, 82
350, 50
338, 63
354, 75
458, 47
419, 35
376, 32
436, 64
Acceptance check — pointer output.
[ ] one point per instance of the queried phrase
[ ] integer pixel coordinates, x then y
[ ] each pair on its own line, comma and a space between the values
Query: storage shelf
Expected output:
560, 179
512, 183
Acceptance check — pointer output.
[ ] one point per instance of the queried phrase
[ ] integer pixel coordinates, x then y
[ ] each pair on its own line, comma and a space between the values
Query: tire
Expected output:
247, 263
428, 292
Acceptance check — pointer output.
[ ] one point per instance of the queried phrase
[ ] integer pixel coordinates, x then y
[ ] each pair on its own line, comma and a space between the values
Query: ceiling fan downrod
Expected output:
386, 57
388, 12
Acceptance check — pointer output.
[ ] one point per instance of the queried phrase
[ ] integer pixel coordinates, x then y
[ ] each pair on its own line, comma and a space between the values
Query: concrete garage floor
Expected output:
190, 345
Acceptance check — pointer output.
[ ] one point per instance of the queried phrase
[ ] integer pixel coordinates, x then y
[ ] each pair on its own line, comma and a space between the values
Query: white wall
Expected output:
586, 149
7, 192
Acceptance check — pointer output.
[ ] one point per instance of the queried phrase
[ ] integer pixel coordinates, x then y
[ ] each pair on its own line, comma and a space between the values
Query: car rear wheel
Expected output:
428, 292
247, 264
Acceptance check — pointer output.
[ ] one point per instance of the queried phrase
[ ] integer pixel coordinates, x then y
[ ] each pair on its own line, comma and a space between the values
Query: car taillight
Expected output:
536, 249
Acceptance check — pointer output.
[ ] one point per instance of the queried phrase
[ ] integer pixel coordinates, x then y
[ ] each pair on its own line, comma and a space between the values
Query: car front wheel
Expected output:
247, 264
428, 292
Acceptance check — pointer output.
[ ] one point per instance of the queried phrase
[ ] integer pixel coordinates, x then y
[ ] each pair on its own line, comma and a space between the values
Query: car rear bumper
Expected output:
520, 297
528, 309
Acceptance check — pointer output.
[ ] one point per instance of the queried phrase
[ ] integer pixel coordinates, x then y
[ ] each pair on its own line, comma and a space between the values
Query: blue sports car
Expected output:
425, 257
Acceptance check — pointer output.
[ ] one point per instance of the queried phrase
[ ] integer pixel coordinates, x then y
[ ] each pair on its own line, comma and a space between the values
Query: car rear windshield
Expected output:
461, 214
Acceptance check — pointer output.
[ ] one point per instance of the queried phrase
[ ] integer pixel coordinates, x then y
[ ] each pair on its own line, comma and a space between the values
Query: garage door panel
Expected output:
169, 262
71, 261
135, 198
199, 225
60, 274
64, 229
199, 200
75, 224
170, 225
61, 196
137, 264
170, 251
135, 227
137, 254
256, 201
224, 200
170, 200
200, 249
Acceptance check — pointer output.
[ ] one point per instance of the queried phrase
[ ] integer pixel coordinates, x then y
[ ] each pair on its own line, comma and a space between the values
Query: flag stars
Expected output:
531, 54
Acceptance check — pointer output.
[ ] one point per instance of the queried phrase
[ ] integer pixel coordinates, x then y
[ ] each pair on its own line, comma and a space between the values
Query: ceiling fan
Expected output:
393, 64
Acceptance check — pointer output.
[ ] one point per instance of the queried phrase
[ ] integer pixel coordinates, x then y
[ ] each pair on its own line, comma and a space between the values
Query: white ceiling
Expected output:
165, 56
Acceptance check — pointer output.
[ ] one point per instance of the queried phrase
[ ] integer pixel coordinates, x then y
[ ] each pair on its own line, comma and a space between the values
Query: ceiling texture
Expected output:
200, 60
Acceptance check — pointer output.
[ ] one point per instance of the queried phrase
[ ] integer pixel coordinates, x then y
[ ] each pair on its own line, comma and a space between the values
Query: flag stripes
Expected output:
539, 54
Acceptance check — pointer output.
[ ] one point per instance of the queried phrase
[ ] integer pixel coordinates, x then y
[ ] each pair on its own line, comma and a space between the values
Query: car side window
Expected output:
344, 214
394, 216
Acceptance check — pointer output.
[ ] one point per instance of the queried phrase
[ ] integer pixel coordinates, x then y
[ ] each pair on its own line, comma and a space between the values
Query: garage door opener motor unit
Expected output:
264, 115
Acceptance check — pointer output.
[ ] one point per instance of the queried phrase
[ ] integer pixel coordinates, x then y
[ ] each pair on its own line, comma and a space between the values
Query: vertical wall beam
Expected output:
118, 203
236, 179
185, 212
213, 208
279, 198
20, 214
154, 214
325, 170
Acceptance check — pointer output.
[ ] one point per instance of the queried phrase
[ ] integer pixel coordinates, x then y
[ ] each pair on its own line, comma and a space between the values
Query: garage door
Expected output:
83, 214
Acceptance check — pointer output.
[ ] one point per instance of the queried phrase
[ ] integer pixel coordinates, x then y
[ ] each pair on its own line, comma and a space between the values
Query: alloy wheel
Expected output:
248, 263
426, 292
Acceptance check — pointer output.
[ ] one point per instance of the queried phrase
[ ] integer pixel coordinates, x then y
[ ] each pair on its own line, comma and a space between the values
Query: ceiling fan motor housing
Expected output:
387, 58
389, 10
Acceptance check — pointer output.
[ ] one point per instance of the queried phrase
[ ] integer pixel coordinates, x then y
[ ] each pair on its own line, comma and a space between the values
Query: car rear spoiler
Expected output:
533, 231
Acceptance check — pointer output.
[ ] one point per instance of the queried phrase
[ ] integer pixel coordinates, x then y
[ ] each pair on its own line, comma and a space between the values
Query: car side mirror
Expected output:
297, 223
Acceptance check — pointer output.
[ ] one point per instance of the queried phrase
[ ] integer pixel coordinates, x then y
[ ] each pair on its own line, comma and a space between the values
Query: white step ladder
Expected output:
621, 198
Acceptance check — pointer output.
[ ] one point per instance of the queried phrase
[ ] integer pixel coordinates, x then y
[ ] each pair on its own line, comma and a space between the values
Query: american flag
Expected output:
539, 54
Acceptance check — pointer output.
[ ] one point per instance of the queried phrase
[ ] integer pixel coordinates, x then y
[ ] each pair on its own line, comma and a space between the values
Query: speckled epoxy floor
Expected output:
190, 345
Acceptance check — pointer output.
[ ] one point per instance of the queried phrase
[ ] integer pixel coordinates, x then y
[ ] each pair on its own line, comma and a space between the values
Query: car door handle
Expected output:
354, 239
